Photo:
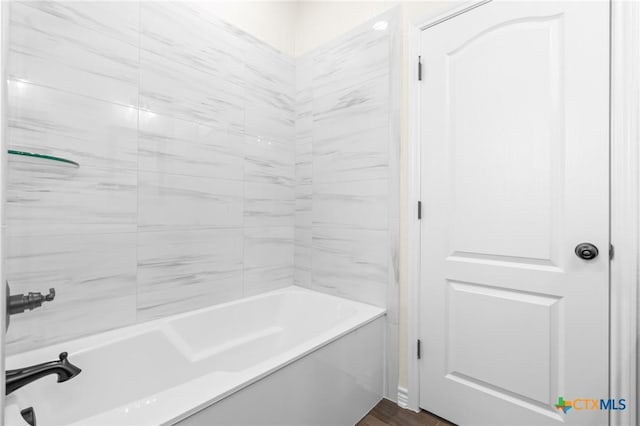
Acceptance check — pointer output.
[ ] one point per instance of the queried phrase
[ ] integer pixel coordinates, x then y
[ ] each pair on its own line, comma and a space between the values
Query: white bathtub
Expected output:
319, 356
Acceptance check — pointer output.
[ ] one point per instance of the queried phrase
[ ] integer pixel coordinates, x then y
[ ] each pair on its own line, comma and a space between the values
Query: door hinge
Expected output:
419, 349
419, 210
419, 68
612, 251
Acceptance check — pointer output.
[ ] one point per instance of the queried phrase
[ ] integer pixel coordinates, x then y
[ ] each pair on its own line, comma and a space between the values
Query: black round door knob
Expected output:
586, 251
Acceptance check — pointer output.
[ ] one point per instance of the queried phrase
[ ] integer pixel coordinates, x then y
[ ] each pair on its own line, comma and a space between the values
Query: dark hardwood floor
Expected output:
387, 413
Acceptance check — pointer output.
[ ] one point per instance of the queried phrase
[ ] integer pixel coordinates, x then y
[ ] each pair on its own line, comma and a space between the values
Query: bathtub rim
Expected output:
235, 380
94, 341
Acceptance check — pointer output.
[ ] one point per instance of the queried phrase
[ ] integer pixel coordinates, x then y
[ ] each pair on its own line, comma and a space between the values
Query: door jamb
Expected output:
625, 214
412, 394
625, 211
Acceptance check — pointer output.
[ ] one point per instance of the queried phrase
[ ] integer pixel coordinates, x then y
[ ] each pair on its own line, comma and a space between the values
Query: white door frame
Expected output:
625, 197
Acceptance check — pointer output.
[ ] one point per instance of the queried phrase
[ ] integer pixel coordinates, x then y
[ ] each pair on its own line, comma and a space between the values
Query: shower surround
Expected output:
347, 178
184, 130
212, 167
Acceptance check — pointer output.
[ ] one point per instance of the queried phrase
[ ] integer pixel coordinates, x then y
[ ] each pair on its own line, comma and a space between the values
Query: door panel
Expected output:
499, 338
502, 194
514, 142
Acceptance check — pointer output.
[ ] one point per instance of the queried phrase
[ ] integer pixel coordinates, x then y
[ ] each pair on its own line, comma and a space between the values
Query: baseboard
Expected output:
403, 397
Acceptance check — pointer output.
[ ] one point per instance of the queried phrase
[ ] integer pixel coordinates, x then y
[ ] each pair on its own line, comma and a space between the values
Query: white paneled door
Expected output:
514, 128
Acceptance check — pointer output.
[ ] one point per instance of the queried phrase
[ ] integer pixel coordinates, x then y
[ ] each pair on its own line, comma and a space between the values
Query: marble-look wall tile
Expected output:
269, 121
351, 108
86, 49
88, 131
174, 146
269, 142
166, 200
268, 205
304, 73
304, 120
270, 81
350, 190
50, 199
347, 192
359, 107
302, 258
353, 205
303, 170
269, 160
191, 65
119, 20
185, 131
170, 88
358, 56
346, 100
185, 33
303, 206
303, 222
268, 259
269, 153
73, 92
351, 263
355, 156
186, 269
361, 54
304, 159
95, 280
